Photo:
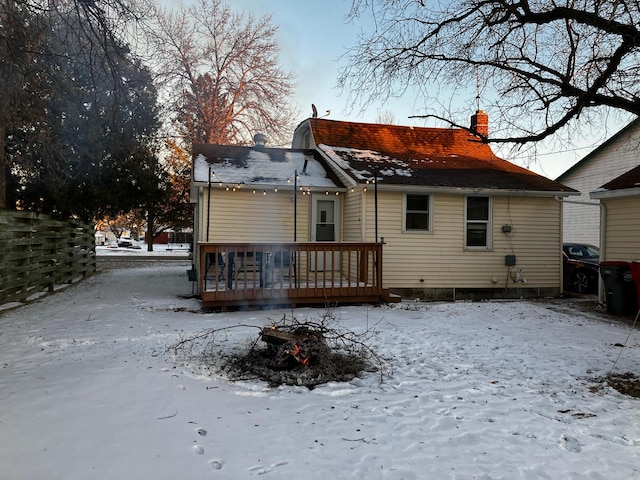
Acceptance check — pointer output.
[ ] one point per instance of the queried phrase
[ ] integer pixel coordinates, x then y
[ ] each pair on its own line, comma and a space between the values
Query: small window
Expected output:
417, 208
478, 225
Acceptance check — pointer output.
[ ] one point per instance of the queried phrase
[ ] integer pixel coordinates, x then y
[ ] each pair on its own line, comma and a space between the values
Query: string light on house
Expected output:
296, 188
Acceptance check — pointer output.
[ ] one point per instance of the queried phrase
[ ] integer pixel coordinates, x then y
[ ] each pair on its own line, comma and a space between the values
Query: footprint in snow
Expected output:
197, 449
215, 464
261, 470
571, 444
202, 432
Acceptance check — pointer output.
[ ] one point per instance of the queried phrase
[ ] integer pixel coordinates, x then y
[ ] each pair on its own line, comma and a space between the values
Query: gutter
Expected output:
618, 193
472, 190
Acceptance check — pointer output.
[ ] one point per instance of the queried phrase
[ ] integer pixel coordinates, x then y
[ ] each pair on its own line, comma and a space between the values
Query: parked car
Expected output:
125, 242
581, 267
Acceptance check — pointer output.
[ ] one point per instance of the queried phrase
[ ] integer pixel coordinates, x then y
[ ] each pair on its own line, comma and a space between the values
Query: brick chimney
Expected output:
480, 123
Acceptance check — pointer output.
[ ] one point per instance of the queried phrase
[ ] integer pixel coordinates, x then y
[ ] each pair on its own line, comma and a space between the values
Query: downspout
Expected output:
375, 196
363, 215
603, 236
603, 218
208, 202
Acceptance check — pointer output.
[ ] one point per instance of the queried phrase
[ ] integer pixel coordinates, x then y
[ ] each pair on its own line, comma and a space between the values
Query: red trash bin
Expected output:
635, 274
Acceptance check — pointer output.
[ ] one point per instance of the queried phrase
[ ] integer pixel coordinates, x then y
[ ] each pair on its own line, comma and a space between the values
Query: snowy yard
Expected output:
491, 390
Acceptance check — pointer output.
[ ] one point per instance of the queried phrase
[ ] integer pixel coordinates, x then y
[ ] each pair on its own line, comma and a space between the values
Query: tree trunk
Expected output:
3, 168
149, 235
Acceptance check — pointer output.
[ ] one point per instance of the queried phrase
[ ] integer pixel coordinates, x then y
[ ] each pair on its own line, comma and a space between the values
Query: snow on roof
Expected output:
392, 166
270, 166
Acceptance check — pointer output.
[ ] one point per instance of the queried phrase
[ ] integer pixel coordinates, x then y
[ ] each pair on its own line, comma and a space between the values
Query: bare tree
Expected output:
386, 117
540, 67
220, 71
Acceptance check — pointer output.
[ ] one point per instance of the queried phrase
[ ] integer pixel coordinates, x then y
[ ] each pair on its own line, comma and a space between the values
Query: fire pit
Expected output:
289, 353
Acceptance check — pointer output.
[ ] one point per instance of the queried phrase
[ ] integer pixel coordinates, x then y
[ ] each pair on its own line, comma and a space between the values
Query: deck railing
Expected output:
233, 274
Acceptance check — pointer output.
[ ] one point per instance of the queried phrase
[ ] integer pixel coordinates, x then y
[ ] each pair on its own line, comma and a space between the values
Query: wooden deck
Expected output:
237, 274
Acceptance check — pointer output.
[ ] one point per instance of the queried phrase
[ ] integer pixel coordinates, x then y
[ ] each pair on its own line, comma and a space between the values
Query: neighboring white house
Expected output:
581, 223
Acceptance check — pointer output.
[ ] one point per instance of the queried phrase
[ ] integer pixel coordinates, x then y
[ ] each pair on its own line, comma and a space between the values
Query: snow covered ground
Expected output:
159, 250
491, 390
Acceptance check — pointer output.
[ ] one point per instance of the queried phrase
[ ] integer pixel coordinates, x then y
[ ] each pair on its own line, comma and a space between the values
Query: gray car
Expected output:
580, 267
125, 242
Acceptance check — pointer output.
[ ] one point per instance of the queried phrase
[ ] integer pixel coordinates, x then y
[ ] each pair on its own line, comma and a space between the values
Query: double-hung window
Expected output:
478, 223
417, 213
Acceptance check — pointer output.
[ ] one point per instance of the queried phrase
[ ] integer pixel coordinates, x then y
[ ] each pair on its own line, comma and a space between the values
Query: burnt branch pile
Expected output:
289, 352
625, 383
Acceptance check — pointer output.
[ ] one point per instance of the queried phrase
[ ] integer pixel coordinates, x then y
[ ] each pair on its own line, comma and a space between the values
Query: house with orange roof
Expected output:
453, 220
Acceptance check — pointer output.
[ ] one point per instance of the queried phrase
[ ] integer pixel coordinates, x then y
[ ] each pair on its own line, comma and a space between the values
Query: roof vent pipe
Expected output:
259, 140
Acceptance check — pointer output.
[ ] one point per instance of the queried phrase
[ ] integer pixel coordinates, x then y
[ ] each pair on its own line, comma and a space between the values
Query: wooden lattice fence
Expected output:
38, 253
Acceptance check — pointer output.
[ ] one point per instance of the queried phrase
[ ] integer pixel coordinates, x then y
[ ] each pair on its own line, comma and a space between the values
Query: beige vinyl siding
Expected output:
351, 215
439, 257
243, 216
622, 231
582, 222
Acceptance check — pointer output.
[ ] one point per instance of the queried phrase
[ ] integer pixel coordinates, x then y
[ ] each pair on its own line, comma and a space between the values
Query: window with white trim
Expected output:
478, 222
417, 213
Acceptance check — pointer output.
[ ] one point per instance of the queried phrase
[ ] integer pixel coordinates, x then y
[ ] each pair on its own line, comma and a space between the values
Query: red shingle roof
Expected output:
445, 157
399, 141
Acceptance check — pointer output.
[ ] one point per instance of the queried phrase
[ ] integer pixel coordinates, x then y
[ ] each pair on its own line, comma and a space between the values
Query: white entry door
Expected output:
324, 228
